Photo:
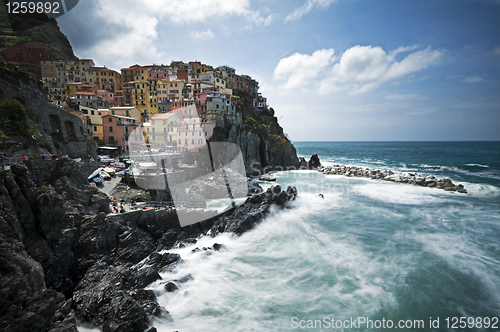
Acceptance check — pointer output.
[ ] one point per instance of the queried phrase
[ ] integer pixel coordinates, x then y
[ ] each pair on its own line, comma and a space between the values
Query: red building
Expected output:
29, 53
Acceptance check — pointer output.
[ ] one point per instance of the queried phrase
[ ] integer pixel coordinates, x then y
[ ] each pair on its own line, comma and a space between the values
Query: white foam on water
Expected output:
464, 255
480, 189
87, 329
287, 266
221, 204
477, 165
399, 193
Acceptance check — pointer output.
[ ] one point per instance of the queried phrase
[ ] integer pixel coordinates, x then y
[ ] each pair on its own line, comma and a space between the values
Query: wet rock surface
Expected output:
62, 257
409, 178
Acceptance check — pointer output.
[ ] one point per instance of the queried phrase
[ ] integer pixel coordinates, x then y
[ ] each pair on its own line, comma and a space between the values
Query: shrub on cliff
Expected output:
13, 109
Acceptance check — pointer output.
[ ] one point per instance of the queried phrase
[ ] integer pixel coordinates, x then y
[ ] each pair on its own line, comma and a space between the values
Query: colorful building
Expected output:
164, 127
116, 129
29, 53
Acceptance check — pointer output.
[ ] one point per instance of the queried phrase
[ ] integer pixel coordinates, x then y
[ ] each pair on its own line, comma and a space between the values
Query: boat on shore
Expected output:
98, 180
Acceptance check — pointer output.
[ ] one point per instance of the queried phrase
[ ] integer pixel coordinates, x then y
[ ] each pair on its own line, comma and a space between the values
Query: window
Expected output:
200, 142
110, 119
192, 141
111, 139
92, 112
85, 112
95, 128
110, 129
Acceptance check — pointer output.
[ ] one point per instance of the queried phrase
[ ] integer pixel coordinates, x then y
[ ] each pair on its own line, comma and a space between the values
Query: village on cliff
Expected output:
177, 105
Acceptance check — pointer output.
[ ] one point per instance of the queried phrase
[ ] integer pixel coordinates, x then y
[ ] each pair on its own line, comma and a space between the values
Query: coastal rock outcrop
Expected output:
397, 177
269, 152
314, 162
63, 257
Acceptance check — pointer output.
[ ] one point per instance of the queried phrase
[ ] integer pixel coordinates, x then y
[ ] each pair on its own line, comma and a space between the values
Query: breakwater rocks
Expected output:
409, 178
62, 257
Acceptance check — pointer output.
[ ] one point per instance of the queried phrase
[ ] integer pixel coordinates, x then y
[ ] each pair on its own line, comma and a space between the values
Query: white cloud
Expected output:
473, 79
400, 97
301, 69
126, 31
202, 35
307, 7
360, 69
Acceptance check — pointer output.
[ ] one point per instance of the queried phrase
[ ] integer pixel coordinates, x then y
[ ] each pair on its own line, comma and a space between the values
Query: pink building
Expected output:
104, 94
158, 73
116, 129
192, 135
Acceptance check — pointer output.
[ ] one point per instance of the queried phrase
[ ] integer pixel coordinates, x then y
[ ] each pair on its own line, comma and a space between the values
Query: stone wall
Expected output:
53, 123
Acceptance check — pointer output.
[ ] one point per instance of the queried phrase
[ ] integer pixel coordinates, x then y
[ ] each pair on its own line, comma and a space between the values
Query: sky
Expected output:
333, 70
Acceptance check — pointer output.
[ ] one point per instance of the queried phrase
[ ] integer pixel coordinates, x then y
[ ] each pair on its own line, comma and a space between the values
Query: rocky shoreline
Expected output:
397, 177
63, 258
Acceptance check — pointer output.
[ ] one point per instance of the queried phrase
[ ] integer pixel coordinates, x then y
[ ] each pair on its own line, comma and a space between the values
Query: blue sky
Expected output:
333, 70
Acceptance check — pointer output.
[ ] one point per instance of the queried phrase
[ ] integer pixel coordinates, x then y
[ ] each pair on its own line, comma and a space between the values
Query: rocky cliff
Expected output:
263, 143
63, 257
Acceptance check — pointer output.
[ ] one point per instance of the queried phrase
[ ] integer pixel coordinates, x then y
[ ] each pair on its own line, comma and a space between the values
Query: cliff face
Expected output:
46, 129
62, 256
262, 153
263, 143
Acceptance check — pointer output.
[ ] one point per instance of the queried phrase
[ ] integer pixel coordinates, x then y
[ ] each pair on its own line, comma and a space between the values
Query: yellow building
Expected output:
144, 94
130, 111
94, 119
105, 78
163, 129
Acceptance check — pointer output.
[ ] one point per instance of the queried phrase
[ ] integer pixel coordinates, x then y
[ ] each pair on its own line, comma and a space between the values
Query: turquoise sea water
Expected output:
370, 250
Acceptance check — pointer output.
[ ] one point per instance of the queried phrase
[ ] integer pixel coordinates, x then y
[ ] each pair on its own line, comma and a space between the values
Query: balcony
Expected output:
126, 123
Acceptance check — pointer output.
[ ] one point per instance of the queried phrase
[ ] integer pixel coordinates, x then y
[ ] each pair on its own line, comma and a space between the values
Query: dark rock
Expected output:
185, 279
314, 162
171, 287
127, 316
161, 261
303, 163
55, 234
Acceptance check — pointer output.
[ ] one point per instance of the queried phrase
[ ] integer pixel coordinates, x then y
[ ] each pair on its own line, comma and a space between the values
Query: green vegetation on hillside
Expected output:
262, 123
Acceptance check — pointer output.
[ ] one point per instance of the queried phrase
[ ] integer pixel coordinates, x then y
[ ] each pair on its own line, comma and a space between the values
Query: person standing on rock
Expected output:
24, 158
3, 161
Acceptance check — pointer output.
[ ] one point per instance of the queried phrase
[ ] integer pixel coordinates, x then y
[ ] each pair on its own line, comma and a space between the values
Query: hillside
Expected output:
34, 29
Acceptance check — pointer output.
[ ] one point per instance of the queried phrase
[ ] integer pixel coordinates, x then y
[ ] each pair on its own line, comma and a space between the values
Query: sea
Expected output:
369, 255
